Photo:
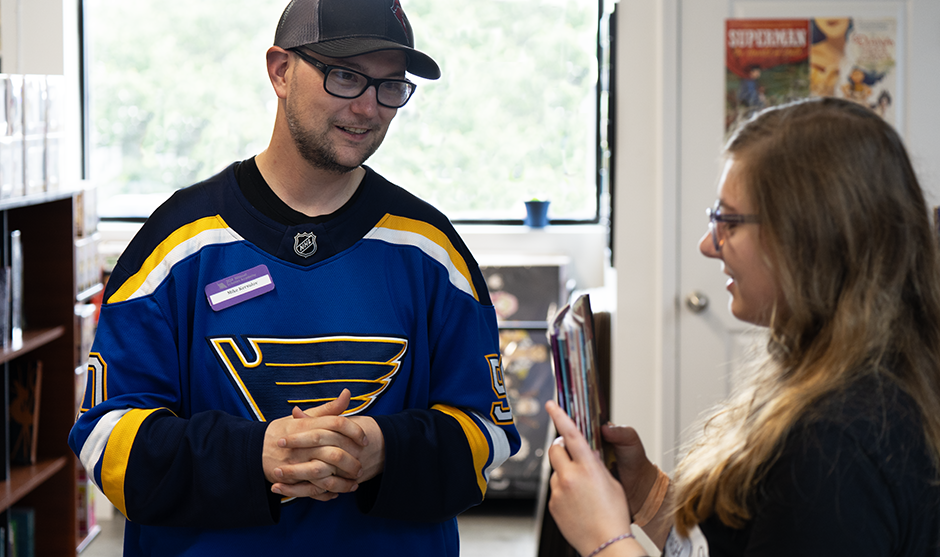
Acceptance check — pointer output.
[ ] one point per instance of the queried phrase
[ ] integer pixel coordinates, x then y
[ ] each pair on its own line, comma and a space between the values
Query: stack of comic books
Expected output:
574, 361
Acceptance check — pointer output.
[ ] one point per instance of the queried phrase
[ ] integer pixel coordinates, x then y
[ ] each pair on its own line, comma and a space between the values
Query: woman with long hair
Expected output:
831, 445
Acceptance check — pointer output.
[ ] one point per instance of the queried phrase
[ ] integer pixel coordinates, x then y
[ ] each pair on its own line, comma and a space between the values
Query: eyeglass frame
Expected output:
715, 217
325, 69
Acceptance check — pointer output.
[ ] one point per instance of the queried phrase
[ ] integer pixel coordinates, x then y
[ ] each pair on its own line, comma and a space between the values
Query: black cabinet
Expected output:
526, 292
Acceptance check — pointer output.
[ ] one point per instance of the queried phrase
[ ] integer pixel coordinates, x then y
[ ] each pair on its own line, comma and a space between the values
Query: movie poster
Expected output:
773, 61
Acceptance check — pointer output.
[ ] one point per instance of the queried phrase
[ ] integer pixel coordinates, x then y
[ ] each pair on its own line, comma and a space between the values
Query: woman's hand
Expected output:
637, 476
634, 470
587, 502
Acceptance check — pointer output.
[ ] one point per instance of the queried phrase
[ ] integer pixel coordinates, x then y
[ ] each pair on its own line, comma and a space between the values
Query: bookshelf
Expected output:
47, 223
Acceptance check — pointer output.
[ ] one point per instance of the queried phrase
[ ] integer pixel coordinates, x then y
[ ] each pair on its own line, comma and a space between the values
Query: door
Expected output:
710, 344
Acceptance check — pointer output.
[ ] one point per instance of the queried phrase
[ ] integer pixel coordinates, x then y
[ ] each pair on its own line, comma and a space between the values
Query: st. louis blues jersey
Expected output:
218, 319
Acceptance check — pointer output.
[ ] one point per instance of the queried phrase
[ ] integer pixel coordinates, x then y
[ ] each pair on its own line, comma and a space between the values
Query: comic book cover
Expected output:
855, 59
575, 366
766, 64
774, 61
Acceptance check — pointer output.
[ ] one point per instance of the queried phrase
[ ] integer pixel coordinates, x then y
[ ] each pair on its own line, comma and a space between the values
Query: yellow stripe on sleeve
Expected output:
117, 454
478, 444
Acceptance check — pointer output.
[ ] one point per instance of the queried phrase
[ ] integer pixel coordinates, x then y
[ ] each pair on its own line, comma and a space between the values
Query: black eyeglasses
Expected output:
716, 219
348, 84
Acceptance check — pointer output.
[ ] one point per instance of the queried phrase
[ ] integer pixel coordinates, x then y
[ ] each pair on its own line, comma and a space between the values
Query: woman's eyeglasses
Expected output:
718, 223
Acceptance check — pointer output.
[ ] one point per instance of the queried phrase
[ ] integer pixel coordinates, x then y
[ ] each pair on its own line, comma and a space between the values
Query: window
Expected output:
177, 94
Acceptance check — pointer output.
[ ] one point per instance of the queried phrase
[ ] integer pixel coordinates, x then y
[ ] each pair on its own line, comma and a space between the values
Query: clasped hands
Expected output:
319, 453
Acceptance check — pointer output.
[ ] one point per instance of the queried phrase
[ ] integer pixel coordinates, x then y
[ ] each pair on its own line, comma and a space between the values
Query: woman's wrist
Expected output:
632, 549
654, 499
611, 541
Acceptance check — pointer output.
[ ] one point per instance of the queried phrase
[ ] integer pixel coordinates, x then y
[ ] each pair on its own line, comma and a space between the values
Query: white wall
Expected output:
33, 35
644, 213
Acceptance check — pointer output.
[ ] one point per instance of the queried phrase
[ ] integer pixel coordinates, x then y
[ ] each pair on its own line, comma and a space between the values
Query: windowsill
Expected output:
517, 230
584, 245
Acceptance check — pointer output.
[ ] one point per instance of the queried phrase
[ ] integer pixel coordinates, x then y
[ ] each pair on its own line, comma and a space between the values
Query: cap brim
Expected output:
419, 63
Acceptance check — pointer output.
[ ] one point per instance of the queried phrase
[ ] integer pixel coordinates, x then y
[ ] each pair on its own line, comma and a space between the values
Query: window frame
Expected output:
604, 117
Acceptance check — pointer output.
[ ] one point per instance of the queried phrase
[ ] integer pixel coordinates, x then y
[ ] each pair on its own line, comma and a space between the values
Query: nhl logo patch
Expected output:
305, 244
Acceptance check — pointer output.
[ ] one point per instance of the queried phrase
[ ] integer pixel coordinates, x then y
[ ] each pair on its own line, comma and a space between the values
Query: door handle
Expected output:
696, 302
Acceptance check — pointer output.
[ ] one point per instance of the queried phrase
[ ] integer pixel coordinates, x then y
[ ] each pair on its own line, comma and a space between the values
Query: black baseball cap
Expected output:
345, 28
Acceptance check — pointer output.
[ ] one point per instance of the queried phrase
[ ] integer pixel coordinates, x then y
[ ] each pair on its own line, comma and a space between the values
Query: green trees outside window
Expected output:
179, 90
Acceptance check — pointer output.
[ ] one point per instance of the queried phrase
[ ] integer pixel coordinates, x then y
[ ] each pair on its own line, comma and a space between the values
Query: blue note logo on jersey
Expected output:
273, 375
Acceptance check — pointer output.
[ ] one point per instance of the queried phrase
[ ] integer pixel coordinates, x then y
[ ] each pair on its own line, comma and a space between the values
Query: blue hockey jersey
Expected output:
218, 319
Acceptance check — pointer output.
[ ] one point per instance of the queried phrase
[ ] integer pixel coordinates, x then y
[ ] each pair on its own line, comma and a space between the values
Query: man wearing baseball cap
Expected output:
296, 355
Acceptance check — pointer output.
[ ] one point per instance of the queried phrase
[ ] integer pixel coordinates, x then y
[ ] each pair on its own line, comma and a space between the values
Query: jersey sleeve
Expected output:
428, 473
154, 465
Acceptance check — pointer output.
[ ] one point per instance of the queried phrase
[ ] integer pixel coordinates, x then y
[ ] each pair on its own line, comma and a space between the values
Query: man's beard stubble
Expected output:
316, 148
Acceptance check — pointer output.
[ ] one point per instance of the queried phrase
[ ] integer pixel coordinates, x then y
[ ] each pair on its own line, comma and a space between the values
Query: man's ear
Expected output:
278, 61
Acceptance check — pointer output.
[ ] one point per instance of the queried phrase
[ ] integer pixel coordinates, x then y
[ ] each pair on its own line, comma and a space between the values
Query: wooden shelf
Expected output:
32, 339
24, 479
47, 226
35, 199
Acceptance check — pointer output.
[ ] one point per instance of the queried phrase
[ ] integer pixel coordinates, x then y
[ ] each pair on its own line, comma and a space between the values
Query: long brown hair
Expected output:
845, 226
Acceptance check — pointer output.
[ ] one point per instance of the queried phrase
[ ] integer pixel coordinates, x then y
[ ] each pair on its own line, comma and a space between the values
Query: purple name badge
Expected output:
238, 288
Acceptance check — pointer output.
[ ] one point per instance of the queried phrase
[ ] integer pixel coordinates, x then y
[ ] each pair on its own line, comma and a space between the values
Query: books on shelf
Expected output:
87, 520
6, 295
11, 296
22, 532
16, 289
12, 137
86, 211
25, 390
31, 134
87, 318
55, 105
34, 133
87, 262
574, 360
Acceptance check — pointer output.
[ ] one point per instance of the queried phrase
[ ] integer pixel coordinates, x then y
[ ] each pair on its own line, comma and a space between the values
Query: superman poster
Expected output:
774, 61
